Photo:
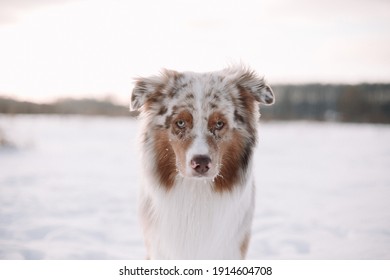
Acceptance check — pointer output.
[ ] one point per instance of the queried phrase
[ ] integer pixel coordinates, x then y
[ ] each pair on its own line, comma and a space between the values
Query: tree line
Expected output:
66, 106
344, 103
321, 102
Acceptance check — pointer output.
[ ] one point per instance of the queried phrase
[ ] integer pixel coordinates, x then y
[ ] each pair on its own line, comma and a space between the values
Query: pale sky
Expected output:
91, 48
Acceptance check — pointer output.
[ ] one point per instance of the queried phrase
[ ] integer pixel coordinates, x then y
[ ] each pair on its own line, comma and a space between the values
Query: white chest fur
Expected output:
191, 221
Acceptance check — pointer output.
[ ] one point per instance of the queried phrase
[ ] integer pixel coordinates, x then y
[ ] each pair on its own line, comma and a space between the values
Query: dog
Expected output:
198, 134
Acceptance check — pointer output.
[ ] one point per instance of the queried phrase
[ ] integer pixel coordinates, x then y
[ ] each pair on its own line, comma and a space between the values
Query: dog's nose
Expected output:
201, 164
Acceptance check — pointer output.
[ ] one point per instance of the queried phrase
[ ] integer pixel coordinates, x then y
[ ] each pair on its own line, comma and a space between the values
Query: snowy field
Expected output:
68, 190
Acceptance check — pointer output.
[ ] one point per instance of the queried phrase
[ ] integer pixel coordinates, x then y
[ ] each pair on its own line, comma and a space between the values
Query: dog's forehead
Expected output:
206, 89
200, 95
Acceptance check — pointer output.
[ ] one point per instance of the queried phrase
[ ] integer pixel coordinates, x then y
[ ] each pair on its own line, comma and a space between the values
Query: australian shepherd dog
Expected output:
198, 135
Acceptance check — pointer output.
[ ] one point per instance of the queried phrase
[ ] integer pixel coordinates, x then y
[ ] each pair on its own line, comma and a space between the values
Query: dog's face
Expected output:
201, 125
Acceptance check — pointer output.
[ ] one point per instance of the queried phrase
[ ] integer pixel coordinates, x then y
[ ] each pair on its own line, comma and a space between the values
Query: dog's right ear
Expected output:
152, 89
143, 89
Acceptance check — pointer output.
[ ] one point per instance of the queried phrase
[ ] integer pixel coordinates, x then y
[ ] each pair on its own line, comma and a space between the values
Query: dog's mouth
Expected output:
201, 176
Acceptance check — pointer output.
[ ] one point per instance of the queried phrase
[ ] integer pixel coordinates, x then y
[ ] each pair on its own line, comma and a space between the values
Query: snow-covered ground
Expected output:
68, 190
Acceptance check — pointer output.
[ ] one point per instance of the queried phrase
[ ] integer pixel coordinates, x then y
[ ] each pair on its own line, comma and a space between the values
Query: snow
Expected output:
68, 190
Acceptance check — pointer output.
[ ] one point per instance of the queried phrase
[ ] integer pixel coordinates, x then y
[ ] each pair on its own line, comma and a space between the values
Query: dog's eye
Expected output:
181, 124
219, 125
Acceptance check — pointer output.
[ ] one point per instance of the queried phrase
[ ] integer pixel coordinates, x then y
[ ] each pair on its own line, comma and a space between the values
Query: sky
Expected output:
94, 48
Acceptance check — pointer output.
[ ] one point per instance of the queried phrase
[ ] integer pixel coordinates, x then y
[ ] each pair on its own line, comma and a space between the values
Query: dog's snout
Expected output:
201, 164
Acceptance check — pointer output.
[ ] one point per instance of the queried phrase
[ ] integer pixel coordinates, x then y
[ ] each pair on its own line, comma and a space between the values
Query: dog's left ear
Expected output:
256, 85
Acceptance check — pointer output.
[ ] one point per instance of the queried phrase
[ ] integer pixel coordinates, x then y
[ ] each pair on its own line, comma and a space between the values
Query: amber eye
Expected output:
219, 125
181, 124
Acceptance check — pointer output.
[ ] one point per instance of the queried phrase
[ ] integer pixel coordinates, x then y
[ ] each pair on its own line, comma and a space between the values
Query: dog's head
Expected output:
201, 125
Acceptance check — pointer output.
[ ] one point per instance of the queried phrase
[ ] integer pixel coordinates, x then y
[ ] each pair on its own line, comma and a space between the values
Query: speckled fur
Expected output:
185, 215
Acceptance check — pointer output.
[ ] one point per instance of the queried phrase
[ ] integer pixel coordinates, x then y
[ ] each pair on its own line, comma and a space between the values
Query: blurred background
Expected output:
69, 170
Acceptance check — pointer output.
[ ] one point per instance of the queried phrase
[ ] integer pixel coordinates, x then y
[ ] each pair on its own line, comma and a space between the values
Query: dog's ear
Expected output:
256, 85
152, 89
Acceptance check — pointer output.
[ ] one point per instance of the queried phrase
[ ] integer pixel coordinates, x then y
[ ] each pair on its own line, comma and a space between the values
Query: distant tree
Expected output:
348, 103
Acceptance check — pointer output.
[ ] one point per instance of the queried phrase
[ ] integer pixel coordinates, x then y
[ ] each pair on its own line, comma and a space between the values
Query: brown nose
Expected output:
201, 164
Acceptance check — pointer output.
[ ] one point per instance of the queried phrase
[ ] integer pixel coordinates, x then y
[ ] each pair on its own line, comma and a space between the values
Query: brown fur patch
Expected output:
180, 147
244, 245
212, 122
165, 159
238, 117
163, 110
232, 152
247, 99
187, 118
154, 98
213, 105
